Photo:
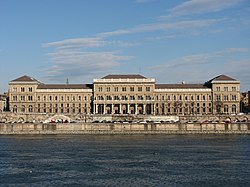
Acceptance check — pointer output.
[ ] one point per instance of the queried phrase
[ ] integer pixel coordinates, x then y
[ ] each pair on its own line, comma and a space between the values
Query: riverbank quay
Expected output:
123, 129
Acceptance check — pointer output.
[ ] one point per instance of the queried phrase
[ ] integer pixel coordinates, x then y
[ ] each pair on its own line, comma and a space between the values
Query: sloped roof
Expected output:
180, 86
65, 86
222, 78
25, 78
124, 76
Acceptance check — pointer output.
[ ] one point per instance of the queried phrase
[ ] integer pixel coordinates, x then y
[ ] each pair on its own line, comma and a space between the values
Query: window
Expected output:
132, 89
116, 89
132, 98
116, 97
30, 108
198, 97
108, 97
67, 98
204, 97
162, 97
22, 98
50, 98
108, 89
233, 97
73, 98
140, 97
15, 108
217, 97
233, 108
124, 89
225, 108
147, 89
192, 97
139, 89
61, 98
79, 98
23, 108
174, 97
22, 89
180, 98
30, 98
15, 98
44, 98
30, 89
217, 89
225, 89
234, 89
148, 97
124, 98
56, 98
14, 89
85, 98
100, 89
225, 97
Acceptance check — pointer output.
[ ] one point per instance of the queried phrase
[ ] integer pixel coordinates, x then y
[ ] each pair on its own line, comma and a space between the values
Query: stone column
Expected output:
144, 109
128, 109
136, 109
104, 108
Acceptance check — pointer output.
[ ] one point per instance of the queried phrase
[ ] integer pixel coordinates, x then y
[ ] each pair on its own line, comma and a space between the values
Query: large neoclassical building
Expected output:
125, 94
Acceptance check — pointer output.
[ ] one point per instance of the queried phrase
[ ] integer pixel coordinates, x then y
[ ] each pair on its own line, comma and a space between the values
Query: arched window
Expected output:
233, 108
22, 108
30, 108
15, 108
225, 108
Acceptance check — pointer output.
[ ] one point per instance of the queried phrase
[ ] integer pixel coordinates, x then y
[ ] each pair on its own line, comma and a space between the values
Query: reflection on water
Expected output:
145, 160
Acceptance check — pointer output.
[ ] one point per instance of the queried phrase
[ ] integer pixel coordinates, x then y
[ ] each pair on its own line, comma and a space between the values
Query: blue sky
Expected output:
170, 40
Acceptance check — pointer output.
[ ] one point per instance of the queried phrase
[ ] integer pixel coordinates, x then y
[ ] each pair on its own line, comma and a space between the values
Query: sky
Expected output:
80, 40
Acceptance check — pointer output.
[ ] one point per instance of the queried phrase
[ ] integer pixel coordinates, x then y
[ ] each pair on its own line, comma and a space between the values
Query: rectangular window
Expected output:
14, 89
79, 98
217, 97
217, 89
108, 89
100, 89
139, 89
44, 98
132, 98
22, 89
234, 89
30, 98
132, 89
30, 89
147, 89
162, 97
124, 89
116, 88
22, 98
225, 97
233, 97
225, 89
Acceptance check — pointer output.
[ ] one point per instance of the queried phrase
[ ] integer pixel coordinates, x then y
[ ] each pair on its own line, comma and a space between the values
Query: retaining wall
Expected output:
137, 128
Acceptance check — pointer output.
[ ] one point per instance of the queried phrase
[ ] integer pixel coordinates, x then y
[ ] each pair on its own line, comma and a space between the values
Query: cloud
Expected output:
75, 64
201, 7
192, 67
77, 43
162, 26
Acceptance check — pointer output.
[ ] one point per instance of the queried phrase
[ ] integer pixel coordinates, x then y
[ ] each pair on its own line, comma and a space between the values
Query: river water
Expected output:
127, 160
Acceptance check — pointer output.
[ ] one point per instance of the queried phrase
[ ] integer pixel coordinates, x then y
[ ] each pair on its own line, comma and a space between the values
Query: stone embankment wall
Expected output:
110, 128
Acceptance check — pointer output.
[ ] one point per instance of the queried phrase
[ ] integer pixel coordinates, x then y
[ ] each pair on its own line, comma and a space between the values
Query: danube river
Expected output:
127, 160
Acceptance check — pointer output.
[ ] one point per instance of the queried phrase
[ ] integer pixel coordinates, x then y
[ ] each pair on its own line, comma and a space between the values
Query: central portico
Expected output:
124, 94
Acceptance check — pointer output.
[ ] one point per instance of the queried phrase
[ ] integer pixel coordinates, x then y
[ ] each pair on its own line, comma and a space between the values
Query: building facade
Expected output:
125, 94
